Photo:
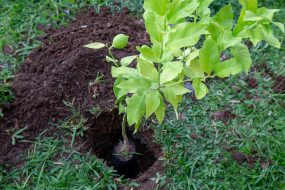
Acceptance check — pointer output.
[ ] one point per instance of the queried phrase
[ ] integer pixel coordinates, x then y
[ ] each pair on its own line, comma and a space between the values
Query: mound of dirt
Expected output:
63, 70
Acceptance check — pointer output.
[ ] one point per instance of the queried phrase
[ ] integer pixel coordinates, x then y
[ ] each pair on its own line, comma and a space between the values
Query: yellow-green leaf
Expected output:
134, 85
209, 55
200, 89
95, 45
126, 61
242, 56
194, 70
147, 69
160, 111
181, 9
184, 35
157, 6
170, 71
227, 68
225, 17
135, 108
123, 71
152, 102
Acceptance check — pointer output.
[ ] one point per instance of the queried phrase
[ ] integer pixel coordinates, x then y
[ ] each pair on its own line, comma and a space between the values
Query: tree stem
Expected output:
124, 134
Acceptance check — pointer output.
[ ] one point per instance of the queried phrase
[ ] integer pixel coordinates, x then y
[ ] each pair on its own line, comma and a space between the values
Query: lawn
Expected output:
234, 138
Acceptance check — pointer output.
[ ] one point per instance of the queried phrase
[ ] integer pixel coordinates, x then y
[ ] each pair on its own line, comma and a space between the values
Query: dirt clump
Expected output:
252, 82
224, 116
279, 86
61, 69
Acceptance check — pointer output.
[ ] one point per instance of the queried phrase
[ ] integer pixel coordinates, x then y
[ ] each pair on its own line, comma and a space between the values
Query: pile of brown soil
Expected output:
62, 70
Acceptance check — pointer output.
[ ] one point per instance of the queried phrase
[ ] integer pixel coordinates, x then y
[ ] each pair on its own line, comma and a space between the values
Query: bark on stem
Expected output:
125, 137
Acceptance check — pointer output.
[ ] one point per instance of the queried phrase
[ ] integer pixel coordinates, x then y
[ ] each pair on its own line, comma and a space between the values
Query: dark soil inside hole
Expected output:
103, 140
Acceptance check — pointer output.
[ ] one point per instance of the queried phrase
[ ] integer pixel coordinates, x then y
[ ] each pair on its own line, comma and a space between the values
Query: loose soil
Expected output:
252, 82
63, 70
225, 116
279, 86
250, 159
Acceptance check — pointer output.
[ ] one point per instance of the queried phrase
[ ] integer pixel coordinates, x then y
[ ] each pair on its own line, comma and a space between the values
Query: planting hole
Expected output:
105, 136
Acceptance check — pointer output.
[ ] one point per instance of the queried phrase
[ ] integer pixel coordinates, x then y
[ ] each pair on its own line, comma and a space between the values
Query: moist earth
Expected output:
61, 69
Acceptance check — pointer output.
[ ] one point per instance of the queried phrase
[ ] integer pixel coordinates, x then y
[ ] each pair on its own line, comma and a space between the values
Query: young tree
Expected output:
175, 28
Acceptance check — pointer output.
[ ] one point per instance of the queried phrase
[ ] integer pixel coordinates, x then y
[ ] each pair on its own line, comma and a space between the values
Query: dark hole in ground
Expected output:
105, 134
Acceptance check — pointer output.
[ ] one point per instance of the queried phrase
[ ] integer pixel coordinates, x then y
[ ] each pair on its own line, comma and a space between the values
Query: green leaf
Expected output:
269, 37
181, 9
120, 41
122, 109
184, 35
160, 111
135, 108
194, 70
280, 26
203, 10
251, 5
225, 17
263, 14
251, 16
125, 72
263, 32
191, 56
226, 40
111, 60
147, 69
119, 93
256, 34
273, 41
242, 56
170, 71
227, 68
215, 29
95, 45
126, 61
171, 97
179, 89
157, 6
152, 102
134, 85
150, 53
200, 89
267, 14
137, 126
209, 55
154, 26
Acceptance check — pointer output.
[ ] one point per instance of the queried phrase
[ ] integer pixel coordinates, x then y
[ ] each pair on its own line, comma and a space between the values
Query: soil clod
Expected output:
279, 86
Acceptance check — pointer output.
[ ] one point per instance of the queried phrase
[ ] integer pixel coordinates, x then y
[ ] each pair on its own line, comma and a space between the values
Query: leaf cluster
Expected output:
176, 28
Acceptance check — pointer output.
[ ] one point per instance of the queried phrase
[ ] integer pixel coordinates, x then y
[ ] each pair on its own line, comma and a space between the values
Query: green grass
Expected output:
191, 163
206, 163
51, 164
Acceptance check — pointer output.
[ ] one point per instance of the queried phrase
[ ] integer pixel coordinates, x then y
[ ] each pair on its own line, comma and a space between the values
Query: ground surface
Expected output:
232, 139
63, 69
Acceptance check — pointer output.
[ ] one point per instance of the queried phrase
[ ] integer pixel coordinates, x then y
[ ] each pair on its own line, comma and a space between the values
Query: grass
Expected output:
53, 165
206, 162
197, 149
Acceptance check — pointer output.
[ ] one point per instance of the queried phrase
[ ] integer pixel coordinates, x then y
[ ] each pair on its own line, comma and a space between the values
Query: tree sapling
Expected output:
175, 57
